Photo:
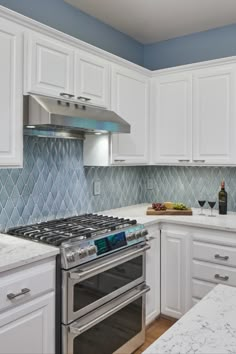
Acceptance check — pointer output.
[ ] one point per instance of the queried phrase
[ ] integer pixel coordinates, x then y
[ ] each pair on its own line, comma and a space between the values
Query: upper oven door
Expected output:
89, 286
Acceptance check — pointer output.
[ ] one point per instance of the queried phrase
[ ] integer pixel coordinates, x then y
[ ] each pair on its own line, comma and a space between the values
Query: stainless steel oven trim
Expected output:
68, 315
78, 327
90, 271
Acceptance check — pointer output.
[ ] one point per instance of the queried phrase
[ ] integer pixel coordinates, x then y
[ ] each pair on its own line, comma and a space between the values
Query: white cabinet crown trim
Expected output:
69, 40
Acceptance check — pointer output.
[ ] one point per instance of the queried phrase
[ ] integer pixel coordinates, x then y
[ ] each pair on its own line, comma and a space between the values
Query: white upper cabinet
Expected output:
130, 99
11, 94
172, 118
92, 82
214, 128
49, 65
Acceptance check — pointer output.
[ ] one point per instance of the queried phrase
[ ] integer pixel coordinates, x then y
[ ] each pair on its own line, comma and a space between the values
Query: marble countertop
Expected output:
138, 212
208, 328
16, 252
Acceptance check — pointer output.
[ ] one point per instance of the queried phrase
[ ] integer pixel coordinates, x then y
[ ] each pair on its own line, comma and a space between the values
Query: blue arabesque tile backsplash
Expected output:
54, 183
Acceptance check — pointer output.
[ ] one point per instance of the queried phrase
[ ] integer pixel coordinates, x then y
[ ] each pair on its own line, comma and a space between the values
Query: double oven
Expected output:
103, 303
100, 283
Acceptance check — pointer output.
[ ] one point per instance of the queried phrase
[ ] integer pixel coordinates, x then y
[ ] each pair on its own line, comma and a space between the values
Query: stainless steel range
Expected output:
101, 281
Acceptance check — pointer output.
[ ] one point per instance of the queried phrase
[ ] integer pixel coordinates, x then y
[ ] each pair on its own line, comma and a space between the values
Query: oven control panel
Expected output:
87, 250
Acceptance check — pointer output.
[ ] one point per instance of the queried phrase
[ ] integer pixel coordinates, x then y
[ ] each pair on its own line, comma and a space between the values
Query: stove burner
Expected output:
56, 232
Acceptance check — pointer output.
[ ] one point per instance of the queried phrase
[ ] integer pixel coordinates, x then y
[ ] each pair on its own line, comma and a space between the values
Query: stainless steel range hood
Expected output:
50, 117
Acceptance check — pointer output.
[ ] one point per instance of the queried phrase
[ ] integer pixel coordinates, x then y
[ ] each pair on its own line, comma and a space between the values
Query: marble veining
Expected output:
208, 328
16, 252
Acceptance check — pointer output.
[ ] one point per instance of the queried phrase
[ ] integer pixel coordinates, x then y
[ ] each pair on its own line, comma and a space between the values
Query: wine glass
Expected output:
211, 205
201, 203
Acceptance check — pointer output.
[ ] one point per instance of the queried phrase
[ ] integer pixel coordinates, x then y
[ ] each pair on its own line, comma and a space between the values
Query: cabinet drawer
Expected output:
201, 288
214, 273
38, 279
214, 253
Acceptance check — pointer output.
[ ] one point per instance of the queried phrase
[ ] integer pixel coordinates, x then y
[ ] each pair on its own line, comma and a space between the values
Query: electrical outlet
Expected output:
150, 183
96, 188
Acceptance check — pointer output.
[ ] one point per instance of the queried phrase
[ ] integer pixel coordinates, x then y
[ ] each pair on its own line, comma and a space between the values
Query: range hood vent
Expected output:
50, 117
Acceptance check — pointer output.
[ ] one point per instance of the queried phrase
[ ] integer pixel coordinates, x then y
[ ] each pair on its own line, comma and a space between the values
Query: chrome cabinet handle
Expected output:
67, 95
199, 161
223, 258
78, 330
82, 98
184, 160
12, 296
119, 160
81, 274
218, 276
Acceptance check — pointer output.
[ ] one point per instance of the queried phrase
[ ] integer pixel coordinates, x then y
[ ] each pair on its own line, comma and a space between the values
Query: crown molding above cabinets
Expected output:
178, 116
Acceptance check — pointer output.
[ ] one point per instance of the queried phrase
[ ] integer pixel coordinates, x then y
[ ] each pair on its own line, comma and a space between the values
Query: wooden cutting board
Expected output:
151, 211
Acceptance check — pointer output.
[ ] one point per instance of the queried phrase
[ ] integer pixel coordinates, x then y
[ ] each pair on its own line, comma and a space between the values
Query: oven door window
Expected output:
112, 333
94, 288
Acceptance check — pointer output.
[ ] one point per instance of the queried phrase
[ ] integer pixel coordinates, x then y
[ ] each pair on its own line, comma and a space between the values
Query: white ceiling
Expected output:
150, 21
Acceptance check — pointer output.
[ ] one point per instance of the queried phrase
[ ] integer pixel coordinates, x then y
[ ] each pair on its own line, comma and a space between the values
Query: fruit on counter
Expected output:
179, 206
158, 206
169, 205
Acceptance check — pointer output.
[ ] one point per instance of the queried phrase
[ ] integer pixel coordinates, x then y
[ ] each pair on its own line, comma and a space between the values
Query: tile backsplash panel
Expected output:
54, 183
189, 184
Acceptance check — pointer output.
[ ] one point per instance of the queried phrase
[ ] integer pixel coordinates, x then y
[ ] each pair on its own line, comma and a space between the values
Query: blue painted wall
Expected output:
207, 45
65, 18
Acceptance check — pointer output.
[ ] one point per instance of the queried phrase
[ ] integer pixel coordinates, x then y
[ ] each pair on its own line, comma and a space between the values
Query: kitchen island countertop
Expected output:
208, 328
16, 252
138, 212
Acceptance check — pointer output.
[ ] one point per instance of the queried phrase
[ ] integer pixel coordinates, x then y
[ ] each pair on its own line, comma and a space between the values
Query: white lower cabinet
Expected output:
174, 273
153, 275
27, 321
29, 328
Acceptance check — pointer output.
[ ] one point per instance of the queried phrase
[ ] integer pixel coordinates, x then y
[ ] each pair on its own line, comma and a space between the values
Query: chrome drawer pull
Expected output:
218, 276
12, 296
184, 160
199, 161
223, 258
119, 160
67, 95
84, 99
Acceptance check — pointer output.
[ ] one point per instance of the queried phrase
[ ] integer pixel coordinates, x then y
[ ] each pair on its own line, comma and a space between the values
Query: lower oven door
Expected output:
117, 327
89, 286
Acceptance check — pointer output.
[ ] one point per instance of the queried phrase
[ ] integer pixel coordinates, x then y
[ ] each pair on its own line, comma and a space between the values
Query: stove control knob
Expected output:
92, 250
144, 233
83, 253
130, 237
70, 256
138, 235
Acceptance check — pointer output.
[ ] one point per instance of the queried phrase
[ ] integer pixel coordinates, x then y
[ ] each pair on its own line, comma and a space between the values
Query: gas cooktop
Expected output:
82, 227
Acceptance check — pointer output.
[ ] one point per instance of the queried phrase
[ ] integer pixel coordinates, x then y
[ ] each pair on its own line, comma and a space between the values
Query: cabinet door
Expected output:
153, 260
214, 115
174, 285
130, 100
29, 328
172, 118
92, 79
11, 94
50, 66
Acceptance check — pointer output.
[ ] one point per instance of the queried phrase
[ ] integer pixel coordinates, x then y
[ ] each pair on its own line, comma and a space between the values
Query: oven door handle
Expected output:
80, 274
79, 330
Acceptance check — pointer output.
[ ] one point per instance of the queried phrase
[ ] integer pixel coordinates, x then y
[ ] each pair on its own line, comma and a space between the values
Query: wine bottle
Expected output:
223, 199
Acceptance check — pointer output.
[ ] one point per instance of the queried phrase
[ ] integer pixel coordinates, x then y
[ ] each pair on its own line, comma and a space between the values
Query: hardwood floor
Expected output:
154, 331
